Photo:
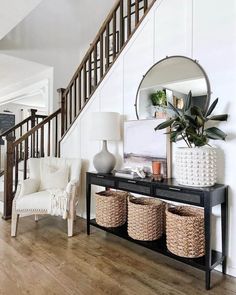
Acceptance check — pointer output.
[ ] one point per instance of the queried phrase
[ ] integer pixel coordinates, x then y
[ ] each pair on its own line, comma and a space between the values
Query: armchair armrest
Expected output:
73, 183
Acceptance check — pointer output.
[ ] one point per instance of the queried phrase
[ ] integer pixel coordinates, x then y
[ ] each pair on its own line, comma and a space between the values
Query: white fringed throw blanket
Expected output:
59, 202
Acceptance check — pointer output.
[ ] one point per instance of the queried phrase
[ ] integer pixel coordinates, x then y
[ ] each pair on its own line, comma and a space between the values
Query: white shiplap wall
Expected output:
203, 30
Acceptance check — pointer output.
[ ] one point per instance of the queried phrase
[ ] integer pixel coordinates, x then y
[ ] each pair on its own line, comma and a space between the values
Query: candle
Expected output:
156, 167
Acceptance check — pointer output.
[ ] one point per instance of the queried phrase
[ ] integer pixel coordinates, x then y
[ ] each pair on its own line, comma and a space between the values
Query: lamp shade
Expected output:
105, 126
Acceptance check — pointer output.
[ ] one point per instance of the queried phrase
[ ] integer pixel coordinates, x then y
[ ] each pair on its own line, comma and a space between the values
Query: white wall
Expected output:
56, 34
197, 29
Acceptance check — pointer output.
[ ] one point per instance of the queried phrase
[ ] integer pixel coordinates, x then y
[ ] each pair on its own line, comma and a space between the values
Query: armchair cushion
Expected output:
35, 201
29, 186
54, 177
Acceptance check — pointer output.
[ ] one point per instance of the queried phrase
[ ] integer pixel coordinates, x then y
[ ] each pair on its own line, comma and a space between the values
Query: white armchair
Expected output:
52, 188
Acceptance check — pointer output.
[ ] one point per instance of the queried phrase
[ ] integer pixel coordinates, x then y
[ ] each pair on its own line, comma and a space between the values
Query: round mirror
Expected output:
170, 80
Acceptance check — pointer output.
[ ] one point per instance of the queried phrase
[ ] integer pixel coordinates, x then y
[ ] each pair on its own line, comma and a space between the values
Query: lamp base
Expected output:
104, 161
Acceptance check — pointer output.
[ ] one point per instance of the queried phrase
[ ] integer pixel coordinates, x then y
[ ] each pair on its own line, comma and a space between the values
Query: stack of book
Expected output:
126, 173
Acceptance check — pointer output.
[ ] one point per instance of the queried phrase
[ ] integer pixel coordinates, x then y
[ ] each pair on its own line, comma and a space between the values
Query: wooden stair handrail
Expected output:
71, 98
37, 127
96, 39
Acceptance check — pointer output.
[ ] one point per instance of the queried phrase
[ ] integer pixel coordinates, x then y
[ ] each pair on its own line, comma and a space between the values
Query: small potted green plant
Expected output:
159, 101
196, 163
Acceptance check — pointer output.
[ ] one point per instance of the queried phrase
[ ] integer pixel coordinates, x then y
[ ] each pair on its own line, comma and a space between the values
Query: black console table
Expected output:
171, 191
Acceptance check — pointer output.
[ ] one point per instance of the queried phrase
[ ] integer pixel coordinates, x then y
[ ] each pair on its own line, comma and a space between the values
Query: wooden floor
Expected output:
42, 260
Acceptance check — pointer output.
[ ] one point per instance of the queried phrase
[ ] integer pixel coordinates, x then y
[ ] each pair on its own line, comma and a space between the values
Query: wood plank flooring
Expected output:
42, 260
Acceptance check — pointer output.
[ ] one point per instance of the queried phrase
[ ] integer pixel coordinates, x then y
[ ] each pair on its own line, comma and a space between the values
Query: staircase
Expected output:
43, 138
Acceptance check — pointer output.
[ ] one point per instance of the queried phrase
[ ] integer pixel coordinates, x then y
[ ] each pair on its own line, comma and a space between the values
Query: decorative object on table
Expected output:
159, 101
130, 173
196, 164
111, 208
185, 233
142, 146
156, 171
145, 218
156, 167
126, 173
105, 126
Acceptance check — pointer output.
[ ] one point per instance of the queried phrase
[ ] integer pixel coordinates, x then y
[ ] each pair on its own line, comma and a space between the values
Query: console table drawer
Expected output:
178, 196
99, 180
132, 186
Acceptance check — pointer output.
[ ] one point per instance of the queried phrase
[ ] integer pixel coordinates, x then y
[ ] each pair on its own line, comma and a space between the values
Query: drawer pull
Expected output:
175, 189
100, 176
132, 181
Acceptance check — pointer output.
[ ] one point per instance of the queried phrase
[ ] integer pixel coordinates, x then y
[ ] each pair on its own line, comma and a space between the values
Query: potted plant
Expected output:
159, 102
196, 163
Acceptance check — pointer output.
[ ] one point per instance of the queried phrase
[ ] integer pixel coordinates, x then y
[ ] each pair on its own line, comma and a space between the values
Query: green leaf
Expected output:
215, 133
199, 121
196, 111
174, 109
165, 124
211, 108
188, 101
223, 117
190, 120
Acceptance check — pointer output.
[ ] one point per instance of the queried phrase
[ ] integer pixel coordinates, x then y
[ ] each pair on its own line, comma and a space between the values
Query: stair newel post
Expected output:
33, 123
33, 117
61, 92
8, 177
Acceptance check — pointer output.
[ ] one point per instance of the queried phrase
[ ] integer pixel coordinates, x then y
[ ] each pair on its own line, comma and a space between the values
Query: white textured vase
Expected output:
196, 166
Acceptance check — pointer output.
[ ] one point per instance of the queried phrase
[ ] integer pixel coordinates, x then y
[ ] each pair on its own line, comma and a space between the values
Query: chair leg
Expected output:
36, 218
14, 223
70, 223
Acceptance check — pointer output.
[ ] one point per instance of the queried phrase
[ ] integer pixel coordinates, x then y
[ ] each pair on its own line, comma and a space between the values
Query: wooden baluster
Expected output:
42, 142
101, 56
107, 45
49, 138
37, 144
136, 12
90, 74
27, 126
16, 166
114, 35
128, 18
75, 97
95, 58
79, 92
70, 104
26, 149
21, 152
61, 93
145, 5
8, 177
85, 83
121, 23
33, 123
56, 136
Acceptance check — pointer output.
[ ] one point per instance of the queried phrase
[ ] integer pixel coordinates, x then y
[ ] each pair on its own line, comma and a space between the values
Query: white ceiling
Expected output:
12, 12
16, 73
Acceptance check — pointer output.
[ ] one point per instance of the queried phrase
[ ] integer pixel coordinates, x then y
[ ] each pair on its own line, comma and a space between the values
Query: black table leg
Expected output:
207, 216
88, 203
224, 229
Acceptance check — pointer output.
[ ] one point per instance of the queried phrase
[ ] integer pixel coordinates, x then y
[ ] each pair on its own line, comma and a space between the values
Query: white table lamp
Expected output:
104, 126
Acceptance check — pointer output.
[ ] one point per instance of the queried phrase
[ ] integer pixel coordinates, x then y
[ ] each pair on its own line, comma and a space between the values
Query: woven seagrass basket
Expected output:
145, 218
111, 208
185, 233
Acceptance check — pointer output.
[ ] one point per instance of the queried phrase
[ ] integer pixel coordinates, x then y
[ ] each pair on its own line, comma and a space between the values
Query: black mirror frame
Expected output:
174, 56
